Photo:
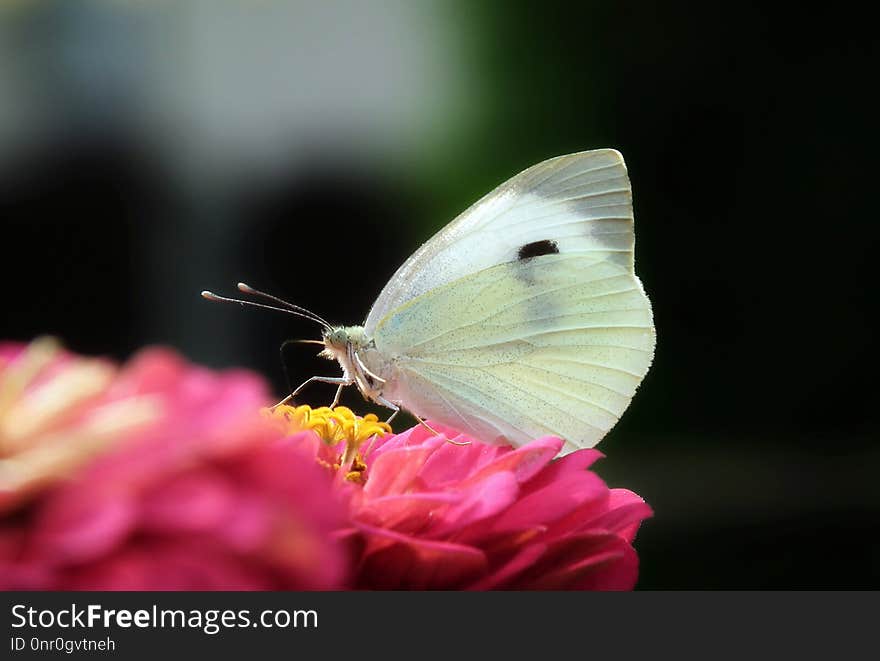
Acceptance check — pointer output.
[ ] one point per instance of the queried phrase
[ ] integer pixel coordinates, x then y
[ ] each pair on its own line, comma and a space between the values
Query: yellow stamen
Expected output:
333, 426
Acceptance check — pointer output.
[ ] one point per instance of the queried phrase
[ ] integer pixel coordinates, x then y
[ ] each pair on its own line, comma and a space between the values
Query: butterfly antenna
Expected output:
211, 296
247, 289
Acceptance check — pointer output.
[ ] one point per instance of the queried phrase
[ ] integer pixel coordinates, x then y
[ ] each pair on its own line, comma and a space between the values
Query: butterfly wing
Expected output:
583, 201
524, 317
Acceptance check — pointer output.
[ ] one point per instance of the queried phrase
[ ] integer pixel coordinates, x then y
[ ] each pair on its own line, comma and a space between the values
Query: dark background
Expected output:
308, 148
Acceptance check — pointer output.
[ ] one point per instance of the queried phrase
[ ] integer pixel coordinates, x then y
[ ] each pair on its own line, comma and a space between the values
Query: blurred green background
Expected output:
152, 150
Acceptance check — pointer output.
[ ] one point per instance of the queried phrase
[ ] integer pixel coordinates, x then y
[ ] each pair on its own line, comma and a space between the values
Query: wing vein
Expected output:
603, 167
554, 290
592, 384
526, 415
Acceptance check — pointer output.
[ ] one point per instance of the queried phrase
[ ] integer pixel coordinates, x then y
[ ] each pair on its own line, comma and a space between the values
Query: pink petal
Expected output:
408, 513
574, 463
627, 526
412, 437
617, 573
619, 513
587, 561
524, 462
553, 501
10, 351
19, 570
170, 566
623, 521
395, 471
247, 524
195, 502
483, 500
79, 527
154, 369
449, 462
393, 562
526, 557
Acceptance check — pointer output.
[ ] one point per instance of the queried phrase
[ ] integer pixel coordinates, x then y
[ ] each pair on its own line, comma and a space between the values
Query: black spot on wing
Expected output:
537, 248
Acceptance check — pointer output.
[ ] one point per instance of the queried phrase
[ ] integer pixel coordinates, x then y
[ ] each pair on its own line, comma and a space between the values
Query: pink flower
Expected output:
427, 513
158, 475
162, 475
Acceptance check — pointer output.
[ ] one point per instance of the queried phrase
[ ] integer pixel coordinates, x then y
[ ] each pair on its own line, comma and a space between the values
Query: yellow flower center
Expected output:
333, 426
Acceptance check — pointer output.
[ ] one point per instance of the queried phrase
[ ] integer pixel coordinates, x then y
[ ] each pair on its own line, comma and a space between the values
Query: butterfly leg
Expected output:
396, 408
340, 381
391, 405
427, 426
338, 394
388, 404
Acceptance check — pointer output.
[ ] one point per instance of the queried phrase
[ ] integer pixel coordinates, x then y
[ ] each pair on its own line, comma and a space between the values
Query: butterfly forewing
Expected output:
580, 201
524, 316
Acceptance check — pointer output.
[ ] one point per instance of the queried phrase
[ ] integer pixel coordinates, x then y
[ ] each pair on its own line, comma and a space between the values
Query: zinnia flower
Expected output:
156, 475
443, 511
162, 475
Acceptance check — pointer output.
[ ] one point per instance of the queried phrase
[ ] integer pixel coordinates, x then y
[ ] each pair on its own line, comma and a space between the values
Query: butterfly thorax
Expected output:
359, 359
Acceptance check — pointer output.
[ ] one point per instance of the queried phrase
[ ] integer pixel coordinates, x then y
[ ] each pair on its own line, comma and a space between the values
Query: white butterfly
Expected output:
521, 318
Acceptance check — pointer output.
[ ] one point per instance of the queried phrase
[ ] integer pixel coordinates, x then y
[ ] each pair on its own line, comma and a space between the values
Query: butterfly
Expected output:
521, 318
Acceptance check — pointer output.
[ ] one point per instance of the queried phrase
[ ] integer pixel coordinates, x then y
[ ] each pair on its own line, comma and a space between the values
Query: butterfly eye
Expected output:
337, 338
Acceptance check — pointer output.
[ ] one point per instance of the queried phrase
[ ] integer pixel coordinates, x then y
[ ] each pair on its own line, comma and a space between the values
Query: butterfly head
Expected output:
344, 344
357, 355
339, 340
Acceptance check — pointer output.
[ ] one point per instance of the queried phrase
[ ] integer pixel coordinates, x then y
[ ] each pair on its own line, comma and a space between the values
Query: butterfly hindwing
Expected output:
556, 346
